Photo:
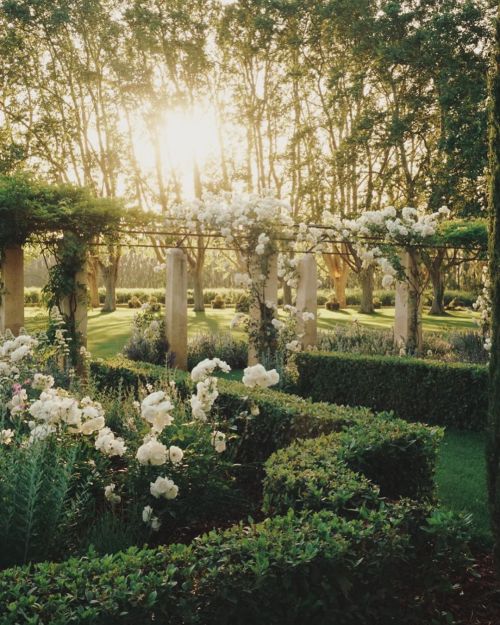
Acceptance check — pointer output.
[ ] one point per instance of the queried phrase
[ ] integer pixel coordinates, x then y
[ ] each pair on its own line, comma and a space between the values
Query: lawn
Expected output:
108, 332
461, 478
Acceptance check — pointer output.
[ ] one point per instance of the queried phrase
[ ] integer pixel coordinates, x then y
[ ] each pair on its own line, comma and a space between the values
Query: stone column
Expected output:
268, 293
307, 300
408, 313
176, 307
12, 291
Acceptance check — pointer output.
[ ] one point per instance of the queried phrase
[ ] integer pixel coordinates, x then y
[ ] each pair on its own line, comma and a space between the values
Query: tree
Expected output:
493, 448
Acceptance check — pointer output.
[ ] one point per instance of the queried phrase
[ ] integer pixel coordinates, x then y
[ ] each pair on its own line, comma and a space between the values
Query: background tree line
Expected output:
337, 106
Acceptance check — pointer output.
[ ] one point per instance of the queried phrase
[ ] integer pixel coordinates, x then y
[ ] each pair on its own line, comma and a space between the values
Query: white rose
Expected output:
152, 452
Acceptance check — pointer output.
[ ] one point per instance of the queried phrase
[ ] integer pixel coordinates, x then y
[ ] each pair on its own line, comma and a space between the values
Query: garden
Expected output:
249, 312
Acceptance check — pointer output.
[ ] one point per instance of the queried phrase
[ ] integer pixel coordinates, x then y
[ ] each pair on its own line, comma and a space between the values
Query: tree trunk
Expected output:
93, 277
366, 281
493, 445
109, 277
199, 304
338, 270
287, 294
437, 279
436, 274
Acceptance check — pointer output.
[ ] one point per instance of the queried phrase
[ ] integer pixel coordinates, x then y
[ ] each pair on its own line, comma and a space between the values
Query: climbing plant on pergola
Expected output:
63, 219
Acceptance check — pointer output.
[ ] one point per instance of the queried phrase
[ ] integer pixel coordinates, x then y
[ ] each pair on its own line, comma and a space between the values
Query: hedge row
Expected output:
451, 394
342, 472
347, 548
288, 569
33, 296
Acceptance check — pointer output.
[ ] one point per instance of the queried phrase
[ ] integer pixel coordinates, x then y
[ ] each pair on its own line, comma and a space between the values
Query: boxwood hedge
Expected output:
346, 541
453, 394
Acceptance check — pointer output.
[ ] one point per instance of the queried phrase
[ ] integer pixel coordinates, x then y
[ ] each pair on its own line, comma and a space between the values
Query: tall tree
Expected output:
494, 251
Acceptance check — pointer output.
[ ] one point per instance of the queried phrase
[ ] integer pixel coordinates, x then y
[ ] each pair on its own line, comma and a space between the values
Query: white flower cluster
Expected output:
236, 214
110, 445
110, 495
219, 442
287, 270
6, 436
56, 407
258, 376
408, 228
14, 352
206, 367
206, 387
150, 519
156, 409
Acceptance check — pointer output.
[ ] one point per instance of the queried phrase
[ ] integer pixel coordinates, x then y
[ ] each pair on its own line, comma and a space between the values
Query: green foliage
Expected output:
223, 346
467, 233
281, 417
243, 303
342, 554
493, 448
44, 492
29, 207
218, 302
315, 566
435, 393
332, 471
148, 341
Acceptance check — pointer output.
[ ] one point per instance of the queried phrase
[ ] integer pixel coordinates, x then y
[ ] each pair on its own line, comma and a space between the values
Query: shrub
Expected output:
280, 419
332, 471
343, 555
154, 305
292, 568
218, 302
33, 296
148, 342
223, 346
332, 304
134, 302
243, 303
437, 393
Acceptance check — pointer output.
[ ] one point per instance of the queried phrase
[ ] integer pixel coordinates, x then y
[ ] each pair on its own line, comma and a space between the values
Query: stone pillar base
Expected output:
12, 293
176, 307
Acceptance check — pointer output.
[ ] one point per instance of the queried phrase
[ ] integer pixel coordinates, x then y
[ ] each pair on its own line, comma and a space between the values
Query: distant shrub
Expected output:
148, 342
243, 303
332, 303
222, 345
154, 305
134, 302
218, 302
33, 296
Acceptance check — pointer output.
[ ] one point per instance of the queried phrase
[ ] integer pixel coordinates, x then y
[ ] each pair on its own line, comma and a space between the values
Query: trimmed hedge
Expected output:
384, 457
452, 394
339, 553
319, 566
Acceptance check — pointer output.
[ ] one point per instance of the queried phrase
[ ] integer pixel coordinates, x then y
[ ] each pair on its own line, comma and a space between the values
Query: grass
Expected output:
461, 478
108, 332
